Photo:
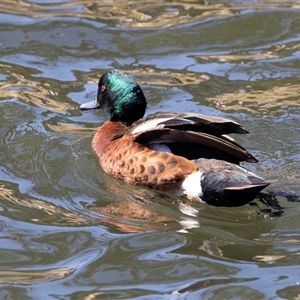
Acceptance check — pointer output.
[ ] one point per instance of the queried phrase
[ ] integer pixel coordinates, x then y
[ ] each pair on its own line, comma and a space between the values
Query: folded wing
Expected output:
192, 136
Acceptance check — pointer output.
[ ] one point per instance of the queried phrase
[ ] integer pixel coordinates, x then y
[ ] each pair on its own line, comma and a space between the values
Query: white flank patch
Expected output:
158, 147
149, 125
192, 185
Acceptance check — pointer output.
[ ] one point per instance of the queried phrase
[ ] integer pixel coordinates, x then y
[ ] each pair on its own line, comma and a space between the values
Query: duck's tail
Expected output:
236, 195
227, 184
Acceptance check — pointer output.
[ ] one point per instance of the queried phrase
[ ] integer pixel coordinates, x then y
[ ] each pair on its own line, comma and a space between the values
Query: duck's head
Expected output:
120, 97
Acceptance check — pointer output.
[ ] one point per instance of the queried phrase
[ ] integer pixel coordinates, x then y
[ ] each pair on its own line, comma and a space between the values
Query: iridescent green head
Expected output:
120, 97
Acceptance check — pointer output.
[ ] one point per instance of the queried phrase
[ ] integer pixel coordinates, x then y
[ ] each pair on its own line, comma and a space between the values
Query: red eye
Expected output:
103, 88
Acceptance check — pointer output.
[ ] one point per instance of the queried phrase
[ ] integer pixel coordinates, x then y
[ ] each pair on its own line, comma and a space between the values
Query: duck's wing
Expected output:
192, 135
190, 121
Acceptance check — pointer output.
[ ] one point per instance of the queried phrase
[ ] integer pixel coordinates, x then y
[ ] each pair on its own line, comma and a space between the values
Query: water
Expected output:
68, 231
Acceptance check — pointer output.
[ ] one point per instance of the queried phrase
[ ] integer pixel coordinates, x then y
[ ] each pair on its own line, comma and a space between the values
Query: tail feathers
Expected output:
226, 184
261, 185
234, 195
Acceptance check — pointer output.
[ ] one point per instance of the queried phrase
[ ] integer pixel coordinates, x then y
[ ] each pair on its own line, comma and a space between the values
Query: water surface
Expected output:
68, 231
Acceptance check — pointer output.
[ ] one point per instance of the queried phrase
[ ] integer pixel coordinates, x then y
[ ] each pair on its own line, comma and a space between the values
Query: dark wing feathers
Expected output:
224, 125
208, 124
202, 133
219, 143
222, 144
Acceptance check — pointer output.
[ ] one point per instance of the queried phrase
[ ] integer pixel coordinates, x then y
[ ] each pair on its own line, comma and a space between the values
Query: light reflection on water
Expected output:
68, 230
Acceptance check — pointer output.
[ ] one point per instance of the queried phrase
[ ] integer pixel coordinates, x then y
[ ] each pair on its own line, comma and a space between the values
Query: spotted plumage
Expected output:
181, 153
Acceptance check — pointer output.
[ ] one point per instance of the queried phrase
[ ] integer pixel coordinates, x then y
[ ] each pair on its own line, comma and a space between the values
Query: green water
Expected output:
67, 230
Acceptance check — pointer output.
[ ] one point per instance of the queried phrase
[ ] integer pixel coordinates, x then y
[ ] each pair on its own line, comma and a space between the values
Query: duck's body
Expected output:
181, 153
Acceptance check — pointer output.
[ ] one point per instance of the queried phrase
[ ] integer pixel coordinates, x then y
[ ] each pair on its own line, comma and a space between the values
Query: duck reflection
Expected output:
137, 209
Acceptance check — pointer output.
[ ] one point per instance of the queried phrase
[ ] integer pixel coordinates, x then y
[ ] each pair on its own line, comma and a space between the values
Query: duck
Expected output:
183, 154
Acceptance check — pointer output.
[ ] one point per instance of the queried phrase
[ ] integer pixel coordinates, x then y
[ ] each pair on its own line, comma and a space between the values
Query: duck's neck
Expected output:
106, 134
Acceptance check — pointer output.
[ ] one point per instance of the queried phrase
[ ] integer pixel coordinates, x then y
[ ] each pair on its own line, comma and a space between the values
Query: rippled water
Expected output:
68, 231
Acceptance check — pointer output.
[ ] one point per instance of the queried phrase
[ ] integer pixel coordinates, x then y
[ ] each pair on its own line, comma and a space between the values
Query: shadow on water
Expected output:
67, 230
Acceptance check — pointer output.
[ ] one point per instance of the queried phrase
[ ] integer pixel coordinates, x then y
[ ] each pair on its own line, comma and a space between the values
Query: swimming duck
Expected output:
183, 154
